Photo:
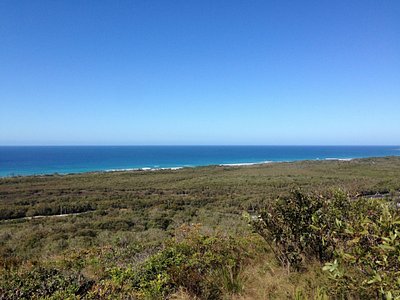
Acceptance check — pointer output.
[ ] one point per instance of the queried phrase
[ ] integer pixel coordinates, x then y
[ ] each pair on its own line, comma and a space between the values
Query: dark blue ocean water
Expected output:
73, 159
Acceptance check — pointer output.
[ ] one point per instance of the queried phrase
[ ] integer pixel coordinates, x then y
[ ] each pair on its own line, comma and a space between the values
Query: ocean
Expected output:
36, 160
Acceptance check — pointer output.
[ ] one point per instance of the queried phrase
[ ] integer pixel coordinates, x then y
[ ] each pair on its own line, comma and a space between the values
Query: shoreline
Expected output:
50, 161
227, 165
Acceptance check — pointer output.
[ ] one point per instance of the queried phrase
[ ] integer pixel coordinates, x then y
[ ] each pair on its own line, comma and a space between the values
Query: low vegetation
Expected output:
304, 230
357, 241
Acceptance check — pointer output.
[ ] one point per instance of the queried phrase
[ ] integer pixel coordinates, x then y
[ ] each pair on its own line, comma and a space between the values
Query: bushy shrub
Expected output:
12, 213
367, 257
357, 239
297, 227
204, 266
39, 283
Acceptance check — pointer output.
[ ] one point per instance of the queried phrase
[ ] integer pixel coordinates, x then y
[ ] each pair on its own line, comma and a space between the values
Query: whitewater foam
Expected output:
339, 159
141, 169
245, 164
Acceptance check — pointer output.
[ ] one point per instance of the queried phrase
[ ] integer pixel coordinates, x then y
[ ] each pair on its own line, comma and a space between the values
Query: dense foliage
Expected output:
120, 235
357, 239
39, 283
204, 266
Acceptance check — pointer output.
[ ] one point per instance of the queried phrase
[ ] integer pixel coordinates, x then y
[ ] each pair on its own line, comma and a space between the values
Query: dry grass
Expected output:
265, 279
181, 295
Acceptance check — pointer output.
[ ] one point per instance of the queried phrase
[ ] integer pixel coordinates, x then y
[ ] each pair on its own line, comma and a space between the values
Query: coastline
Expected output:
177, 168
42, 161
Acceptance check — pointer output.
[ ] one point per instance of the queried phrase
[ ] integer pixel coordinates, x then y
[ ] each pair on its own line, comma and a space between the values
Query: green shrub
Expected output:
297, 227
39, 283
357, 239
368, 254
204, 266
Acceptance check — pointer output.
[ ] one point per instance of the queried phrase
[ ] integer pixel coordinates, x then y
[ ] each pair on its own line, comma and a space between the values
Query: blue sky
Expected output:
199, 72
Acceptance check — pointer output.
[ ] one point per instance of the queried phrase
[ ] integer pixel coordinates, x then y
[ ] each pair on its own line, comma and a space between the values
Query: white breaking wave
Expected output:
245, 164
340, 159
141, 169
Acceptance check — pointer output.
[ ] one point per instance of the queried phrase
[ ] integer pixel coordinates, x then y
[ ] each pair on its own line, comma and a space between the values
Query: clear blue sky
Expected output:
199, 72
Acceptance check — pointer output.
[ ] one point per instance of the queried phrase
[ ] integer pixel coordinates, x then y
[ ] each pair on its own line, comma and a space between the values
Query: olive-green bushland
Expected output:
120, 234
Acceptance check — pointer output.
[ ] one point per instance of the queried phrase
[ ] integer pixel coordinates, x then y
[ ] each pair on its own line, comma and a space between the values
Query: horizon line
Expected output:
203, 145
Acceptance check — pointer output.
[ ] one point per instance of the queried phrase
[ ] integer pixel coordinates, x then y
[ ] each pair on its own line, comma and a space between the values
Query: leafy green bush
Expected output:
39, 283
357, 239
368, 254
204, 266
297, 227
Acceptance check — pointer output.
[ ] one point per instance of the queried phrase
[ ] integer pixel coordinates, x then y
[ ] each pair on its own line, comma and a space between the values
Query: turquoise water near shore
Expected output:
33, 160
